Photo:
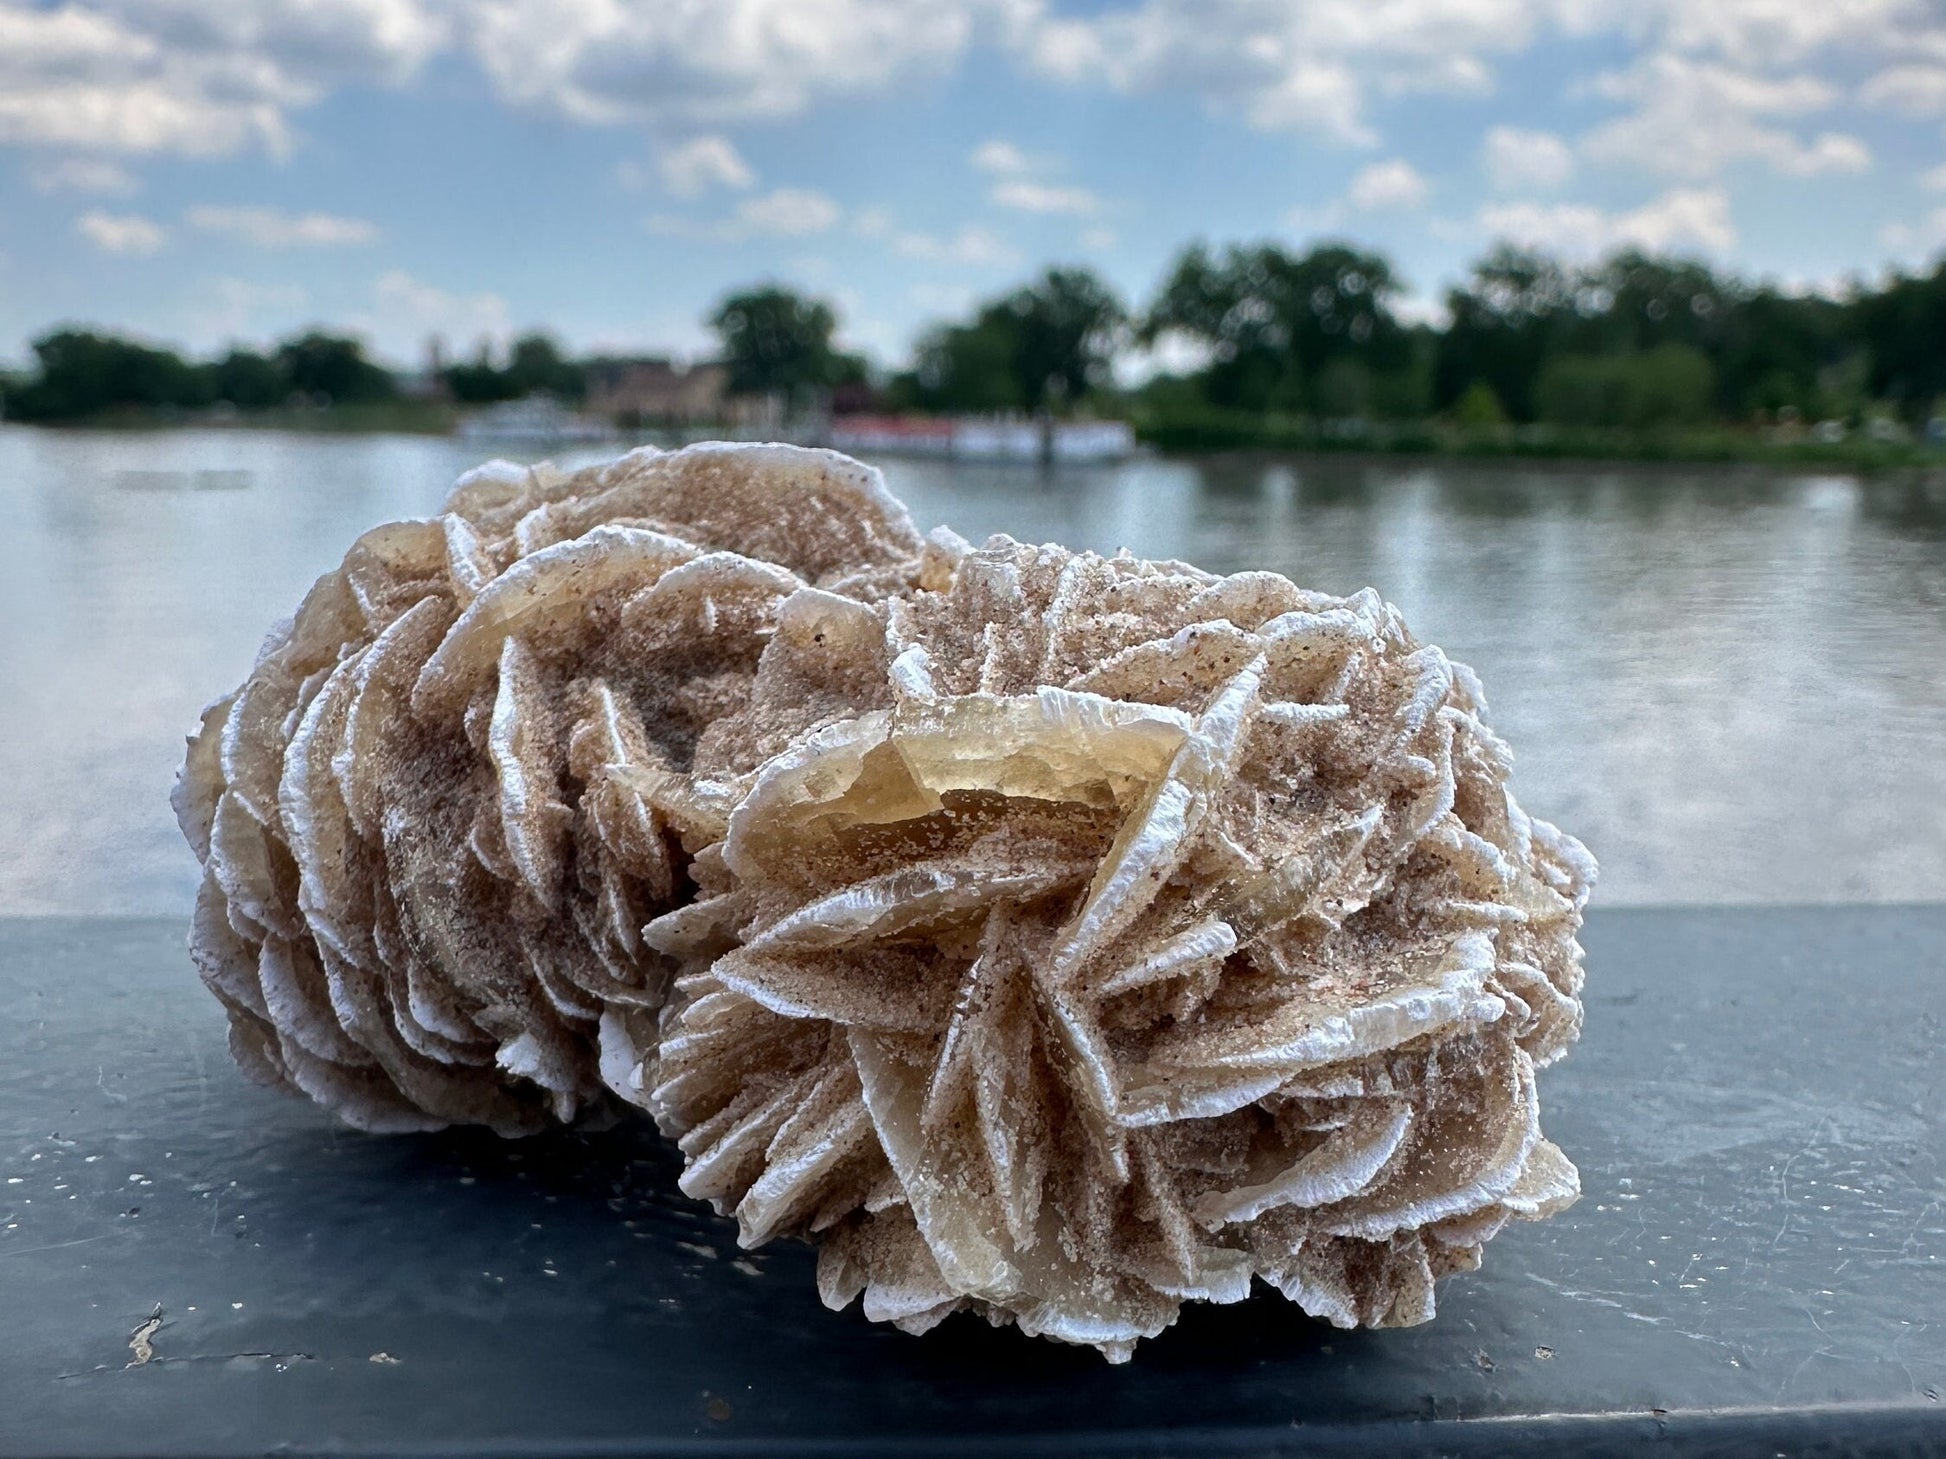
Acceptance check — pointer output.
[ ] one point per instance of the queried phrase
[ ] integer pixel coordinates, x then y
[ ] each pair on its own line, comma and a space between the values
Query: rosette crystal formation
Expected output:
453, 788
1097, 934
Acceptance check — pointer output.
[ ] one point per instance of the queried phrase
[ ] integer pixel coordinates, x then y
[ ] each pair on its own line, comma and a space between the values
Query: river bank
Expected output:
1193, 439
1444, 440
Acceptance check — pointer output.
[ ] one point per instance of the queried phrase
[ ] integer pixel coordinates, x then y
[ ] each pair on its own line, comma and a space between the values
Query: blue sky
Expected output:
201, 172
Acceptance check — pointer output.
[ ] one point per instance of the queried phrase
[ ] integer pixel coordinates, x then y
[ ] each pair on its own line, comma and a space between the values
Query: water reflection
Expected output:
1727, 682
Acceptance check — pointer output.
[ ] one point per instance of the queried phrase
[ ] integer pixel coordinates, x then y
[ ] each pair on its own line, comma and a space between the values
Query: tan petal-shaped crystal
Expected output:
1094, 934
454, 787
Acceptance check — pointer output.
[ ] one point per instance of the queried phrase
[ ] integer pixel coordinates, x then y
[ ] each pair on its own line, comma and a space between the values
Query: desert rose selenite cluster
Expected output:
1056, 936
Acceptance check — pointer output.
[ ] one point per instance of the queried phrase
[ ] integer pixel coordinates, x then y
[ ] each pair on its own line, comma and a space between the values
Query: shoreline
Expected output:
1929, 466
1428, 444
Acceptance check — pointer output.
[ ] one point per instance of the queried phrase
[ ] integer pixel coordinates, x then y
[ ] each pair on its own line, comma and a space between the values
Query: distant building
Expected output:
538, 421
984, 438
657, 391
428, 382
893, 435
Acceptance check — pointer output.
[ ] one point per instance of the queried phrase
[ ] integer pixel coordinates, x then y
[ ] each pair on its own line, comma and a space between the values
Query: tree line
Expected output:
80, 373
1634, 341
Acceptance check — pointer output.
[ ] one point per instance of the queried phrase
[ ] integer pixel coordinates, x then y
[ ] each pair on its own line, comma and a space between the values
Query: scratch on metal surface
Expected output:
1784, 1178
1797, 1372
60, 1245
159, 1361
1913, 1231
141, 1341
1600, 1299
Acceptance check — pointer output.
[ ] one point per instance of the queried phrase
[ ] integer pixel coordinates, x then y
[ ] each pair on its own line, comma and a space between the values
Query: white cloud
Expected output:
789, 212
1518, 160
1286, 66
973, 247
82, 175
1692, 119
121, 232
1827, 152
786, 212
1916, 90
141, 117
318, 42
1392, 184
195, 78
1678, 219
1316, 96
611, 61
272, 228
407, 312
1026, 196
198, 80
1098, 239
1917, 242
1935, 180
1316, 66
1021, 182
872, 222
1001, 158
700, 163
1767, 32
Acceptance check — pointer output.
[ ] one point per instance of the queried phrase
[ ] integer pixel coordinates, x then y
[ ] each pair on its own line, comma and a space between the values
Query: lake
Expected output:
1732, 685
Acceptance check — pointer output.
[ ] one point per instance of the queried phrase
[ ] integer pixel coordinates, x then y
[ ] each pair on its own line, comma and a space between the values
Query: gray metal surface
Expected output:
1758, 1109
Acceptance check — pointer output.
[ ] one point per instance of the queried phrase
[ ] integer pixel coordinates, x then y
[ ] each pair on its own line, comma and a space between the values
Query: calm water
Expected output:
1732, 686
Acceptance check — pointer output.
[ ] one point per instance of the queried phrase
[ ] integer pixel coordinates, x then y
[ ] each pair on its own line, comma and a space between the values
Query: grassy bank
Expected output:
398, 417
1213, 431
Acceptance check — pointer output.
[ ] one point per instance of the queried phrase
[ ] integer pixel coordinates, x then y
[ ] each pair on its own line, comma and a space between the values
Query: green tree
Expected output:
250, 381
537, 363
1641, 302
776, 341
1275, 323
334, 368
1041, 347
969, 367
478, 381
1901, 330
1343, 390
1513, 312
1774, 347
1669, 385
1478, 406
1064, 327
1521, 313
84, 373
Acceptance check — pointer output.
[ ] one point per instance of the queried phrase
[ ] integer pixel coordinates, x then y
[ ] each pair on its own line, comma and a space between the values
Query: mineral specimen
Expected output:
1099, 934
437, 813
1053, 936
